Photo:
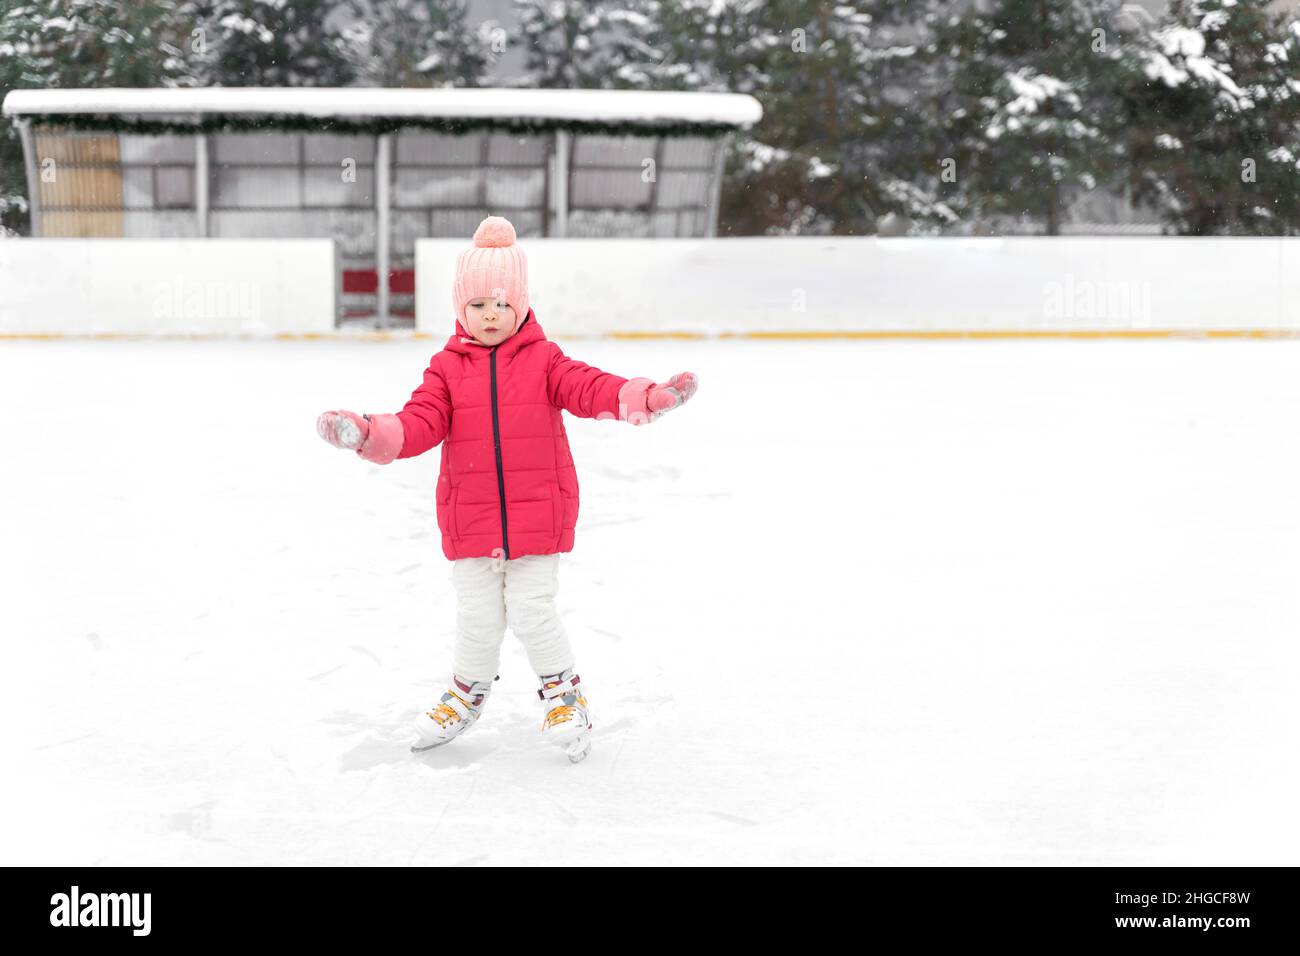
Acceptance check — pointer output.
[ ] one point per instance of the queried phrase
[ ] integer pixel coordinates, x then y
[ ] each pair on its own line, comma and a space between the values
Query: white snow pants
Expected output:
520, 593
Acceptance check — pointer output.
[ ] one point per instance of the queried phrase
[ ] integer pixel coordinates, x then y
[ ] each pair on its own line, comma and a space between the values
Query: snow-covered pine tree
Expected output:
87, 43
1027, 109
416, 43
266, 42
836, 146
711, 45
576, 45
1213, 112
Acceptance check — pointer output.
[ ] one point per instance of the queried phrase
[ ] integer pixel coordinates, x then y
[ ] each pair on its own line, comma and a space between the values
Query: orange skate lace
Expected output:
558, 715
561, 713
442, 713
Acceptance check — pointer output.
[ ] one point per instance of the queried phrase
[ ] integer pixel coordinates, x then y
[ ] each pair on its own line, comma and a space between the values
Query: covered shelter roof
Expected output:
362, 103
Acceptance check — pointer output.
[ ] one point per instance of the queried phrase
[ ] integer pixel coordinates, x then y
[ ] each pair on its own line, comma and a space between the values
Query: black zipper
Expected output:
496, 441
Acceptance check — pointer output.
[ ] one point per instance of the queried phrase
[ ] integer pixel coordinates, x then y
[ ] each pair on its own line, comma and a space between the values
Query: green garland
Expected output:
454, 126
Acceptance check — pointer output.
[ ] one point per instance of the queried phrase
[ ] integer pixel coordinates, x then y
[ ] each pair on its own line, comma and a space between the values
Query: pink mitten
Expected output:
641, 401
343, 429
376, 438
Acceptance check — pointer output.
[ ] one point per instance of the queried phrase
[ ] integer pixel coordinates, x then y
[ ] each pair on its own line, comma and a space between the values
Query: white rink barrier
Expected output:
162, 286
809, 286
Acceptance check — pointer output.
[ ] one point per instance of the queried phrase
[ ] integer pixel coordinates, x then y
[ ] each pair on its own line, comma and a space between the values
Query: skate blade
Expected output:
577, 750
435, 744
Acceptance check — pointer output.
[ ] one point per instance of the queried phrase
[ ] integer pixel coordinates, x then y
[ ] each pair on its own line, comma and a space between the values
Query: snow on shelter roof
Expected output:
657, 106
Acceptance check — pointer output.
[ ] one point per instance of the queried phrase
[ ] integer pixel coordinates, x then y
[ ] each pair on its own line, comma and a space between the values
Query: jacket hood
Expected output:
529, 331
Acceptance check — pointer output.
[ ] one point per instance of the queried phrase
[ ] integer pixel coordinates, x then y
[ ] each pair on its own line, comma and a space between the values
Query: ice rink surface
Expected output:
986, 602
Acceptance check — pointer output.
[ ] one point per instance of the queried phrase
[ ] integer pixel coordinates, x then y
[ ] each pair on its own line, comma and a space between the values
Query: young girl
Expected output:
507, 499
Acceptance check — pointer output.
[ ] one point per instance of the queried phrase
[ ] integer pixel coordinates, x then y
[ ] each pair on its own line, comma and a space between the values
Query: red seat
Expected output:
366, 281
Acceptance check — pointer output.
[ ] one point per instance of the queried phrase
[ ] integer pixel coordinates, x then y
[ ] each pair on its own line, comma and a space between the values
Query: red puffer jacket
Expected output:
507, 486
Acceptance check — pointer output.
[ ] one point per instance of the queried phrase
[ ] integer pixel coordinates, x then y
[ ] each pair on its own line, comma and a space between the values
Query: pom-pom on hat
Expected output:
494, 265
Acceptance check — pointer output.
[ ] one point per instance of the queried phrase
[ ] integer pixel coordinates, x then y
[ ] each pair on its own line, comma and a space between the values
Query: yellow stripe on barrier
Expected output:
1021, 334
792, 334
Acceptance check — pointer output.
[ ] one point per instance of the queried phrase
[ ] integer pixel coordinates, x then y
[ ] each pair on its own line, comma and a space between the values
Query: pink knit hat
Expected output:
495, 265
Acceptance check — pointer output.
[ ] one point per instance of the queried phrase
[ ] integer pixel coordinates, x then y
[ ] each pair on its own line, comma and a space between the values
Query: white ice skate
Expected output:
455, 713
567, 723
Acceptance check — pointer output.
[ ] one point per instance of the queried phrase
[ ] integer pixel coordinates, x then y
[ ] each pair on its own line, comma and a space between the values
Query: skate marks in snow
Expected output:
624, 714
441, 816
655, 701
62, 743
635, 475
368, 653
567, 816
324, 674
698, 494
619, 736
365, 652
284, 759
351, 721
623, 502
732, 818
596, 521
